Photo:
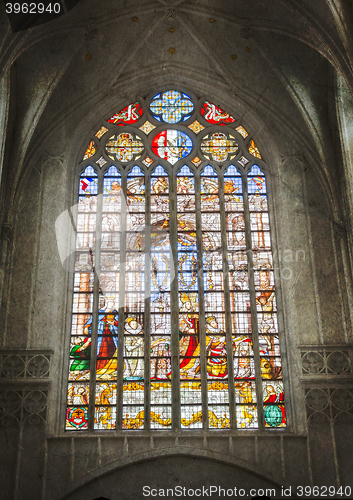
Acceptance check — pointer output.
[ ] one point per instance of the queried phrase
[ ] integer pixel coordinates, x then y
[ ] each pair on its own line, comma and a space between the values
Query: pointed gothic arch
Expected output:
174, 284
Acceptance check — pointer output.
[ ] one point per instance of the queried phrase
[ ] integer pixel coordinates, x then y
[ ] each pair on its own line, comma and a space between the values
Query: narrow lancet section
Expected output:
160, 326
189, 329
216, 349
85, 215
107, 335
134, 311
240, 307
270, 360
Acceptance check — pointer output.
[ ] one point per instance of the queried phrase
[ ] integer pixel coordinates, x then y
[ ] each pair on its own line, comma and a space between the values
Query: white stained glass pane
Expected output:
235, 222
109, 282
214, 302
161, 393
111, 222
135, 281
217, 392
85, 241
259, 221
86, 222
87, 204
267, 323
83, 282
211, 221
190, 392
82, 302
133, 393
160, 303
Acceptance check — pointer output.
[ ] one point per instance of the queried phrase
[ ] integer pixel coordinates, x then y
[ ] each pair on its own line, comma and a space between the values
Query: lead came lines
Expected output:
131, 366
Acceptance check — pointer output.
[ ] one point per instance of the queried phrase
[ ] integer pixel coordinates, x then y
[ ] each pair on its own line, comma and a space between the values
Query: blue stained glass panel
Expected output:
171, 106
88, 182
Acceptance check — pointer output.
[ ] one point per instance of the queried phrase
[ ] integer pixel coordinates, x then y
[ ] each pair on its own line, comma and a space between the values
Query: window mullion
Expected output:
255, 337
119, 409
202, 314
96, 291
147, 325
174, 301
228, 318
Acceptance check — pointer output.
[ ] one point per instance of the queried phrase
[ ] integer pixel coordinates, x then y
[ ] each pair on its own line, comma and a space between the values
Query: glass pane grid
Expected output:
158, 292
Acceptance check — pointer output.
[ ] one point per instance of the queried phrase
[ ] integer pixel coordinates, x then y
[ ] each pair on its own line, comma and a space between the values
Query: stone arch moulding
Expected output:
265, 478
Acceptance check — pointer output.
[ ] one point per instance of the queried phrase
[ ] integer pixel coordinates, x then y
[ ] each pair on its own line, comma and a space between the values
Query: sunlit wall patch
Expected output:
171, 107
172, 145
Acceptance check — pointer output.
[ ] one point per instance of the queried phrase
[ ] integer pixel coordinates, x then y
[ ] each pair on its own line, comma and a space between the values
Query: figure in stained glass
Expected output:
188, 330
247, 399
107, 339
274, 414
81, 354
215, 349
133, 350
266, 303
161, 359
209, 186
77, 396
160, 185
185, 185
243, 363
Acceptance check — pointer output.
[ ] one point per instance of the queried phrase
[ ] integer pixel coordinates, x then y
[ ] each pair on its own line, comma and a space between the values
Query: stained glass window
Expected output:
127, 116
215, 115
172, 145
174, 321
171, 106
160, 316
134, 310
215, 324
219, 147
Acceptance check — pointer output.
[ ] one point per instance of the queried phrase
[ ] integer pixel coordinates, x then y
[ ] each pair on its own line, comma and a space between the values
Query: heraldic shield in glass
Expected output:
173, 314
